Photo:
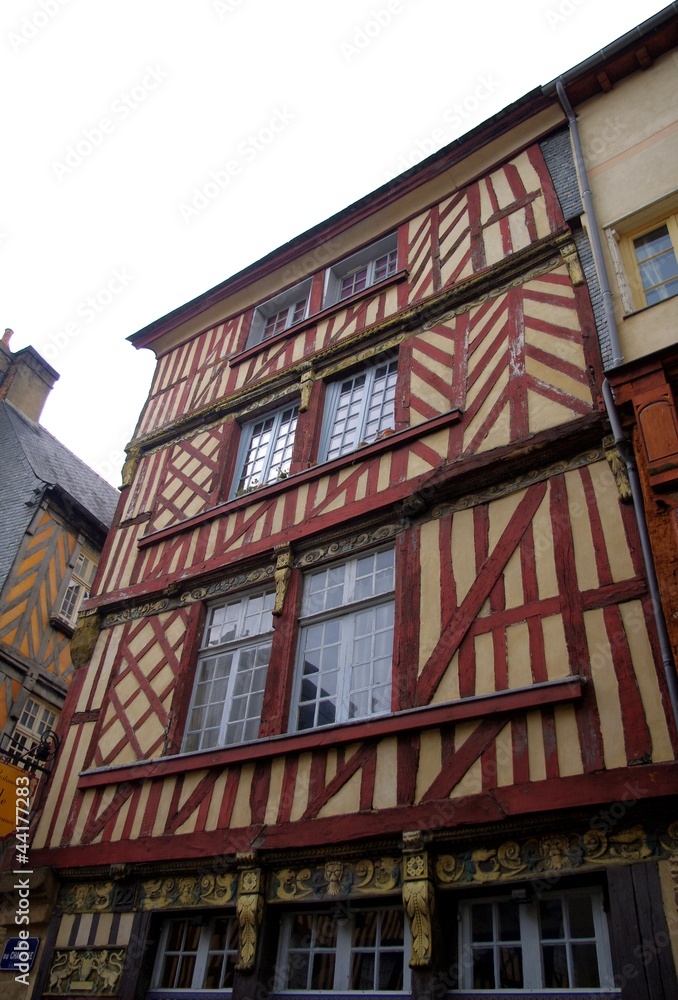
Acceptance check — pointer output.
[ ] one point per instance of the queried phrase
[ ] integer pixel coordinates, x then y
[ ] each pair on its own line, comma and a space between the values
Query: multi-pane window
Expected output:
231, 675
556, 942
197, 954
35, 719
361, 270
78, 588
358, 409
656, 259
280, 313
265, 450
362, 950
346, 642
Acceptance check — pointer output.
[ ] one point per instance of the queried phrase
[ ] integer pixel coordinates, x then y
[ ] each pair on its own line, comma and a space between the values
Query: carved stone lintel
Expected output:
337, 878
249, 908
569, 255
305, 385
418, 899
283, 572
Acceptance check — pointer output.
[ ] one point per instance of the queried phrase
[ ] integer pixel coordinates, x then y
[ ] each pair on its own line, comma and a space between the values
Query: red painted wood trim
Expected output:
461, 760
533, 797
394, 441
406, 623
412, 721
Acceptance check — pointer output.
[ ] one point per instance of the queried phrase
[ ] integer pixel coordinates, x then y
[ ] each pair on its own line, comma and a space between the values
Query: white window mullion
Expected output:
342, 968
201, 958
529, 933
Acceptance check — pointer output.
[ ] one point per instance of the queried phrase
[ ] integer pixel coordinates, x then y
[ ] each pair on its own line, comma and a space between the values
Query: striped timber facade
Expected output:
528, 747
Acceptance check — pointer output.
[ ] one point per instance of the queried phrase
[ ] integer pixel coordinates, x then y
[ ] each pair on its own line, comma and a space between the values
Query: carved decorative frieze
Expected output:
339, 546
188, 890
336, 879
553, 855
237, 581
94, 971
86, 898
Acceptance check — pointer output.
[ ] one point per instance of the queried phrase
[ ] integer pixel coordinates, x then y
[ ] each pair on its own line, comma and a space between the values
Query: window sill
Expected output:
62, 625
313, 320
297, 478
431, 716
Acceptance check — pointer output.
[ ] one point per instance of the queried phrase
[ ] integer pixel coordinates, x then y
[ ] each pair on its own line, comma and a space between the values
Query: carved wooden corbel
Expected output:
571, 258
249, 908
305, 385
85, 637
618, 468
283, 572
418, 898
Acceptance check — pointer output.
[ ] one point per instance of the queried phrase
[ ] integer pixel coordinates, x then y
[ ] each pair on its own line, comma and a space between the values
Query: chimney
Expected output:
26, 379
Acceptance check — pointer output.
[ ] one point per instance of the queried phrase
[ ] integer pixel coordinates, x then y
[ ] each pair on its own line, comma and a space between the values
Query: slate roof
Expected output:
31, 461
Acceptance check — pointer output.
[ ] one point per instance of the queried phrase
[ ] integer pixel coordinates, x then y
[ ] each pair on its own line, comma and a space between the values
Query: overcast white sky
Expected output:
116, 113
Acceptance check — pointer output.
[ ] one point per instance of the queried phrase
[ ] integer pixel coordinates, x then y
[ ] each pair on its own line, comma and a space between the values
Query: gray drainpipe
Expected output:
613, 413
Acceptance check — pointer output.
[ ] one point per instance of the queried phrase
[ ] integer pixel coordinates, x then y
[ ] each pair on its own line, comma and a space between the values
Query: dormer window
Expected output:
361, 270
280, 313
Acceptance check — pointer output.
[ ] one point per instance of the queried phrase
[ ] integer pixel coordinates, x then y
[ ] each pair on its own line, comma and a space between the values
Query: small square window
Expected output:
657, 265
78, 588
196, 954
36, 718
361, 270
265, 450
280, 313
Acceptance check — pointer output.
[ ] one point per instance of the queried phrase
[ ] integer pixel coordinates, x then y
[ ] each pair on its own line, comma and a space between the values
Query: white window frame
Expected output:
78, 587
372, 412
344, 612
36, 717
248, 647
201, 954
531, 942
366, 258
259, 465
285, 303
343, 951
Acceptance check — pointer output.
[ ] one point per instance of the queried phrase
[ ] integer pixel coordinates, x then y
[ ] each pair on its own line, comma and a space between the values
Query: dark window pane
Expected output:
323, 972
362, 971
326, 931
185, 979
585, 965
511, 968
365, 929
509, 922
169, 971
300, 936
483, 969
581, 917
481, 922
390, 971
297, 971
555, 966
392, 928
551, 915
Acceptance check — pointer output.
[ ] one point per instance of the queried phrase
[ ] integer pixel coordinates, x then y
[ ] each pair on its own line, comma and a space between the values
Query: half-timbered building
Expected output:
375, 698
54, 515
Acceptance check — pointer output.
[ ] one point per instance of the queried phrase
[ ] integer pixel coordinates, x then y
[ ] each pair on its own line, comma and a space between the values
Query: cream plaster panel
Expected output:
567, 739
549, 376
423, 390
275, 791
463, 553
499, 432
429, 761
138, 820
212, 821
545, 564
429, 601
535, 746
501, 512
502, 188
555, 647
448, 689
606, 688
346, 800
520, 236
645, 670
63, 938
470, 784
513, 581
582, 538
302, 499
518, 654
616, 542
162, 813
556, 315
484, 653
278, 522
384, 476
242, 814
191, 782
437, 443
301, 787
120, 819
544, 413
69, 777
385, 785
494, 244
